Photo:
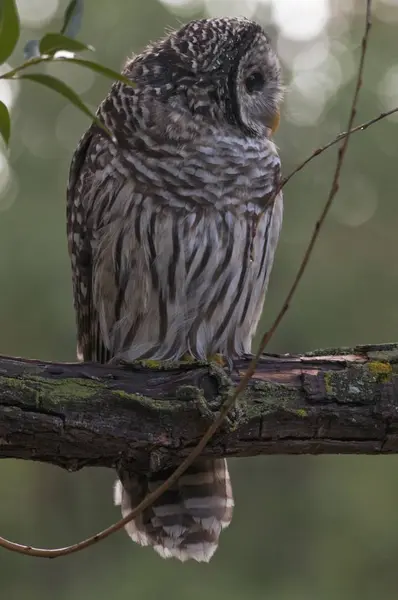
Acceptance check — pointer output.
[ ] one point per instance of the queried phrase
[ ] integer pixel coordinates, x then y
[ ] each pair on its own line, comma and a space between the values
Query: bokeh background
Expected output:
322, 528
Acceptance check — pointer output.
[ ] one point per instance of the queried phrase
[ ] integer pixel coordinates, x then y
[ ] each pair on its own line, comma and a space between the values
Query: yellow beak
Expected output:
275, 122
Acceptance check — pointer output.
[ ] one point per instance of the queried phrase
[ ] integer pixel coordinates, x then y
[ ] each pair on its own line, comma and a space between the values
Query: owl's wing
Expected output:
90, 345
111, 273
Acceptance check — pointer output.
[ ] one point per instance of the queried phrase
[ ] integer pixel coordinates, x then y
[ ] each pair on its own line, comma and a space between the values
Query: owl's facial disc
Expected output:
259, 88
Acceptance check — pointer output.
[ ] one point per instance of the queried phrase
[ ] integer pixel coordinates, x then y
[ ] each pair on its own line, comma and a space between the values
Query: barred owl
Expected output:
172, 232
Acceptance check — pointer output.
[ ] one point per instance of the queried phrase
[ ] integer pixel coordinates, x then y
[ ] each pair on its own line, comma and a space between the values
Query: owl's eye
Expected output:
255, 82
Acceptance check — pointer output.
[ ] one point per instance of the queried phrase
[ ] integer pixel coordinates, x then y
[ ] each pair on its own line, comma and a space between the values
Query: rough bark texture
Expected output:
76, 415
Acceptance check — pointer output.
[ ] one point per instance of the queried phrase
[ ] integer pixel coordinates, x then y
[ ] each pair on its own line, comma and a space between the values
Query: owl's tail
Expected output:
186, 521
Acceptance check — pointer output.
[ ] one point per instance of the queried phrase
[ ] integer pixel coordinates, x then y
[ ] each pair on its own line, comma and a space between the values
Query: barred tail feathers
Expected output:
186, 521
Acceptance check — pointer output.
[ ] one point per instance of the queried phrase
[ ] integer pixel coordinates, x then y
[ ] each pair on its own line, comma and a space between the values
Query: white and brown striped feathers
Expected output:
186, 521
172, 234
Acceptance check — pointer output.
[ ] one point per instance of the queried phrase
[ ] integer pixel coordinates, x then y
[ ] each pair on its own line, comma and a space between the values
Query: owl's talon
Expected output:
233, 419
225, 362
192, 394
218, 359
187, 358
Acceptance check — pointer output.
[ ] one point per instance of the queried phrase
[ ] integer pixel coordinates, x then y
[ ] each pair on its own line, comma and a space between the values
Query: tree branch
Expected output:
76, 415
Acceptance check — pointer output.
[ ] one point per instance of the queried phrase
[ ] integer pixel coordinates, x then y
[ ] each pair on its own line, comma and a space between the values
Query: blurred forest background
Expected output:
323, 528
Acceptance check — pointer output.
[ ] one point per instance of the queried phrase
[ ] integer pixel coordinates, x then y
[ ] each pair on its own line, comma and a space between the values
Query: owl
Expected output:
172, 229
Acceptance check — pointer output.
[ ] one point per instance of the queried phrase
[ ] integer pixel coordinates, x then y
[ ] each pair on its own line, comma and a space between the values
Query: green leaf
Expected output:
52, 42
5, 123
98, 68
64, 90
88, 64
73, 18
9, 28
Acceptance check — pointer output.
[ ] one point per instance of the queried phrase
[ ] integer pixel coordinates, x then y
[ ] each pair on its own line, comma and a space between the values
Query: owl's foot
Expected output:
234, 417
209, 407
225, 362
217, 359
189, 393
187, 358
210, 411
235, 412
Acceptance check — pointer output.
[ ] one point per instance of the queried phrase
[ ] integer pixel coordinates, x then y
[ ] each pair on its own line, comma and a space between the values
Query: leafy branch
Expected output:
53, 47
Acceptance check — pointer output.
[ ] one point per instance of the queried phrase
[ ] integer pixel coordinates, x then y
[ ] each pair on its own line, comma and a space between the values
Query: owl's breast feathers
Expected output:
179, 260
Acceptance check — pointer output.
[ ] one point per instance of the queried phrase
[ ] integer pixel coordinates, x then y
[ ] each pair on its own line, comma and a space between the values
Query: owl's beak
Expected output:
274, 123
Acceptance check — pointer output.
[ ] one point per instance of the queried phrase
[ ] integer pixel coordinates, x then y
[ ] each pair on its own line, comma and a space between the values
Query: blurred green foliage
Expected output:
323, 528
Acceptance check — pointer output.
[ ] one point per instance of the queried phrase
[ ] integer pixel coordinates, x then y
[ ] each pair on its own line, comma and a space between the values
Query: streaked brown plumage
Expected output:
168, 254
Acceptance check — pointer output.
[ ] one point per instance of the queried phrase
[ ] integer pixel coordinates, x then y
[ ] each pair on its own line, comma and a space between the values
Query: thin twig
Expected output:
338, 138
153, 496
333, 190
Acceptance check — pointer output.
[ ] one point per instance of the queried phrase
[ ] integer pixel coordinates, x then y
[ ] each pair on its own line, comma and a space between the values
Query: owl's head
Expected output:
215, 72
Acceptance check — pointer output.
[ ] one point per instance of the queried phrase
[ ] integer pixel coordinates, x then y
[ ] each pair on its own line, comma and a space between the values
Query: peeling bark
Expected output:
80, 414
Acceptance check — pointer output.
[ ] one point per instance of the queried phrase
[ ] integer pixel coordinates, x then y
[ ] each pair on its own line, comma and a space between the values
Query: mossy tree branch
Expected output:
76, 415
